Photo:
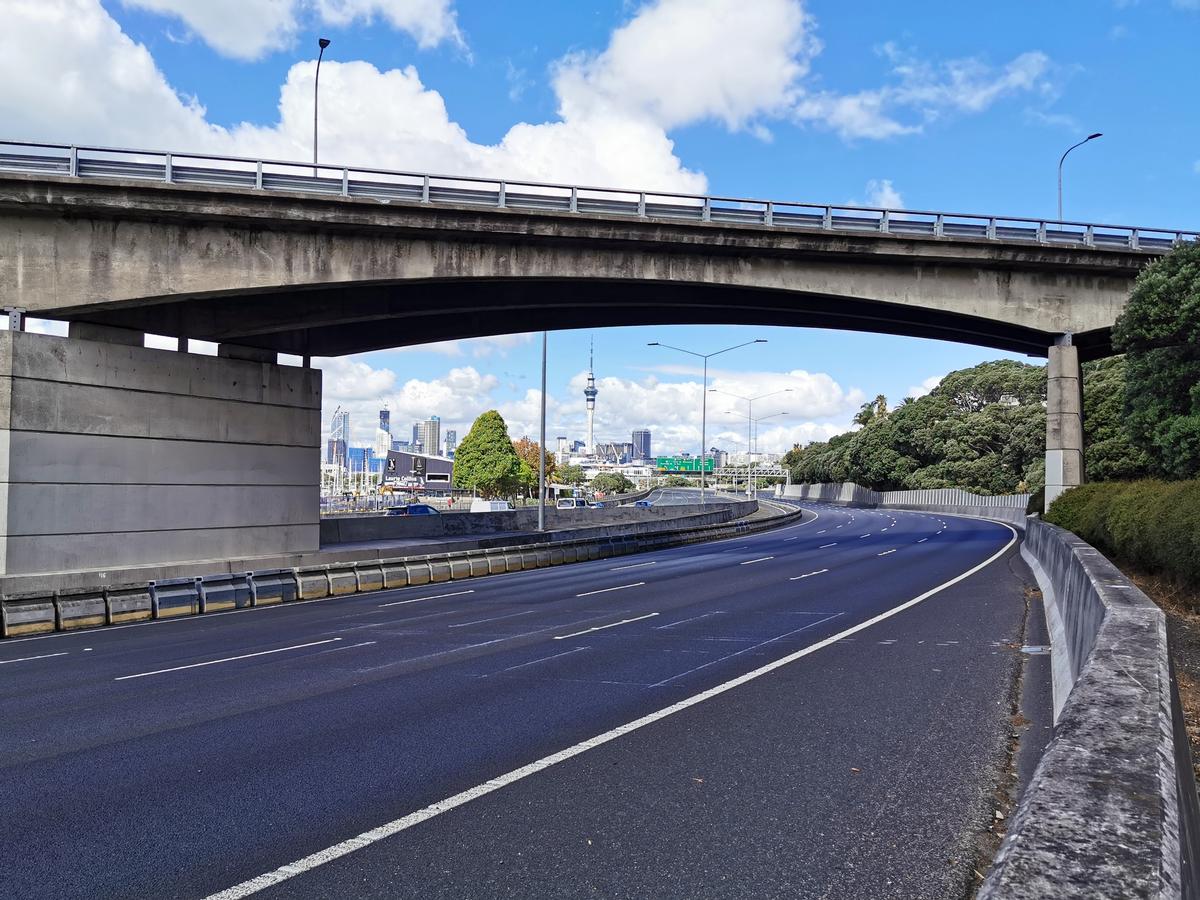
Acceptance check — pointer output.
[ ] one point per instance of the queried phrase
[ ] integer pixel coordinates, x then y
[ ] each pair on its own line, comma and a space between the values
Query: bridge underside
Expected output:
342, 319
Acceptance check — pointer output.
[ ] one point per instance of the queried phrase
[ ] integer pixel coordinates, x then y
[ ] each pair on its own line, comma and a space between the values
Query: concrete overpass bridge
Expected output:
265, 257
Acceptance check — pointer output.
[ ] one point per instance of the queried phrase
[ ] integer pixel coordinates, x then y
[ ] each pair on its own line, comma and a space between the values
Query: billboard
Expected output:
683, 464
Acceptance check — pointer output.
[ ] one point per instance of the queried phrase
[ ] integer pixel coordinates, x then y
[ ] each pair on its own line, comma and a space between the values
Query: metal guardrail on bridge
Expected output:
387, 185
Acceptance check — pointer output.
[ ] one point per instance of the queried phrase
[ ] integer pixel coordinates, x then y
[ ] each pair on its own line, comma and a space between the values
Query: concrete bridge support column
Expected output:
1064, 419
113, 454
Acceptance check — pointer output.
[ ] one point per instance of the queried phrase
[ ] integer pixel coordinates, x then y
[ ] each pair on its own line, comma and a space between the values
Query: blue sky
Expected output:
931, 105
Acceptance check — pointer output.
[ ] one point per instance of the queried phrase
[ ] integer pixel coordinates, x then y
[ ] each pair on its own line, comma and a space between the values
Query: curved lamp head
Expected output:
1092, 137
324, 42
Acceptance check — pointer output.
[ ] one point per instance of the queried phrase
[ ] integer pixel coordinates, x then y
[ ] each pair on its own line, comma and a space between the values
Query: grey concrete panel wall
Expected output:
114, 455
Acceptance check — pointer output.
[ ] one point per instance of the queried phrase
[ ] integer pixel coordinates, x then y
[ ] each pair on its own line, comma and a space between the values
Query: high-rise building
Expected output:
589, 393
451, 441
564, 450
339, 438
641, 444
429, 433
385, 420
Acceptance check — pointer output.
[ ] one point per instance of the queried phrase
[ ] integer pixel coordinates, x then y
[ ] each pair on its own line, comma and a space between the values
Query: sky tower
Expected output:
590, 393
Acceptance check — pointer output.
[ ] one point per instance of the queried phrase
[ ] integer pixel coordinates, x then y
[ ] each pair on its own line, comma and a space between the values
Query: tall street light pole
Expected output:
322, 43
1090, 137
542, 447
704, 399
749, 414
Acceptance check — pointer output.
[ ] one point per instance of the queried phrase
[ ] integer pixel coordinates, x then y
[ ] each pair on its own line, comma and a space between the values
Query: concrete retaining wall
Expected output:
1112, 810
114, 455
1008, 508
359, 529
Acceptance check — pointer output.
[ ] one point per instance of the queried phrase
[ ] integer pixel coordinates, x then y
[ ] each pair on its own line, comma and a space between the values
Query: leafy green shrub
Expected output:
1153, 525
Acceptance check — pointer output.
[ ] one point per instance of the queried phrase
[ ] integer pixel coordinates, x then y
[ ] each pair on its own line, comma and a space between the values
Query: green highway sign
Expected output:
682, 464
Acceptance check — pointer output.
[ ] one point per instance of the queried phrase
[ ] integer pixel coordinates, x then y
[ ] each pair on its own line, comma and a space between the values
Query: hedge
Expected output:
1153, 525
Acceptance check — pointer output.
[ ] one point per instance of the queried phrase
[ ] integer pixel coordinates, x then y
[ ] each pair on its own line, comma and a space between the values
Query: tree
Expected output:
528, 451
1109, 455
486, 460
1159, 332
612, 483
569, 474
677, 481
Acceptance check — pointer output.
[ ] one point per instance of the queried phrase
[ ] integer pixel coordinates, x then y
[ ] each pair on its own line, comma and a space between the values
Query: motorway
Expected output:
821, 710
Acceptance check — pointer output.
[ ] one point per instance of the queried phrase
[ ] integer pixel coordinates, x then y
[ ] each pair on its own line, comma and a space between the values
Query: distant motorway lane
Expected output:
764, 716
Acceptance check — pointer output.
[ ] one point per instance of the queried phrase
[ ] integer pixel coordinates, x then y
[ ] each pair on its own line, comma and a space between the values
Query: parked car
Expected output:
413, 509
481, 505
571, 503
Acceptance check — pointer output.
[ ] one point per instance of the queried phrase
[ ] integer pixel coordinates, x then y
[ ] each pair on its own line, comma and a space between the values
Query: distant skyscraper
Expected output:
451, 441
385, 420
590, 392
641, 444
430, 435
339, 437
564, 450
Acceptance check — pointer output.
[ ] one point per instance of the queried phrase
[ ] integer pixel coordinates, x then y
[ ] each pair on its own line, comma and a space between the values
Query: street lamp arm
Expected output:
680, 349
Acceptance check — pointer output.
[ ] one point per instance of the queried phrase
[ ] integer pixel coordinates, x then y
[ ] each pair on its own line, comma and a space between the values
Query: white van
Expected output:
571, 503
481, 505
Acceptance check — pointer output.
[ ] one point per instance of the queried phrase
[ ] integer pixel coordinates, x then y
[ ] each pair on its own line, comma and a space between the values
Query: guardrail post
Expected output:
885, 222
642, 205
1178, 239
1041, 232
574, 199
706, 213
503, 194
258, 175
425, 190
939, 226
74, 164
1089, 236
827, 219
1133, 239
345, 182
991, 229
167, 169
769, 214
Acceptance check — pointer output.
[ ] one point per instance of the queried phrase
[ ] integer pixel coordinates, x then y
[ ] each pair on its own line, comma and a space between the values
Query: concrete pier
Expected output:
113, 454
1064, 419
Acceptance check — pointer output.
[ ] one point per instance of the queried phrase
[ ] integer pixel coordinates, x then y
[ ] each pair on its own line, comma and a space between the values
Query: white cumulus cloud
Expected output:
247, 29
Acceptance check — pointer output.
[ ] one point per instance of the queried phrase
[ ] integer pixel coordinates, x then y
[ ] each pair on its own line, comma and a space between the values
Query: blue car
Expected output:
413, 509
642, 504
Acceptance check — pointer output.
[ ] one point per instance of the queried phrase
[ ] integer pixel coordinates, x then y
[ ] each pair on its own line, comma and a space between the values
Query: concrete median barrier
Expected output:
175, 597
312, 583
370, 577
343, 580
439, 569
460, 567
79, 609
130, 604
418, 573
272, 586
27, 615
395, 574
224, 592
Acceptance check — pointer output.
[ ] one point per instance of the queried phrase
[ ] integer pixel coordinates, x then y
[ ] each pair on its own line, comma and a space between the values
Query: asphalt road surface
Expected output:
766, 716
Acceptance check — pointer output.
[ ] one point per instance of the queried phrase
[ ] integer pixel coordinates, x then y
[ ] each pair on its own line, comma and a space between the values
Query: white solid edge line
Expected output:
620, 587
419, 599
4, 662
563, 637
389, 829
213, 662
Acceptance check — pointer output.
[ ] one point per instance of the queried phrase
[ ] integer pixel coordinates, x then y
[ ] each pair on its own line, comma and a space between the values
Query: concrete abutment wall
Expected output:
113, 454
